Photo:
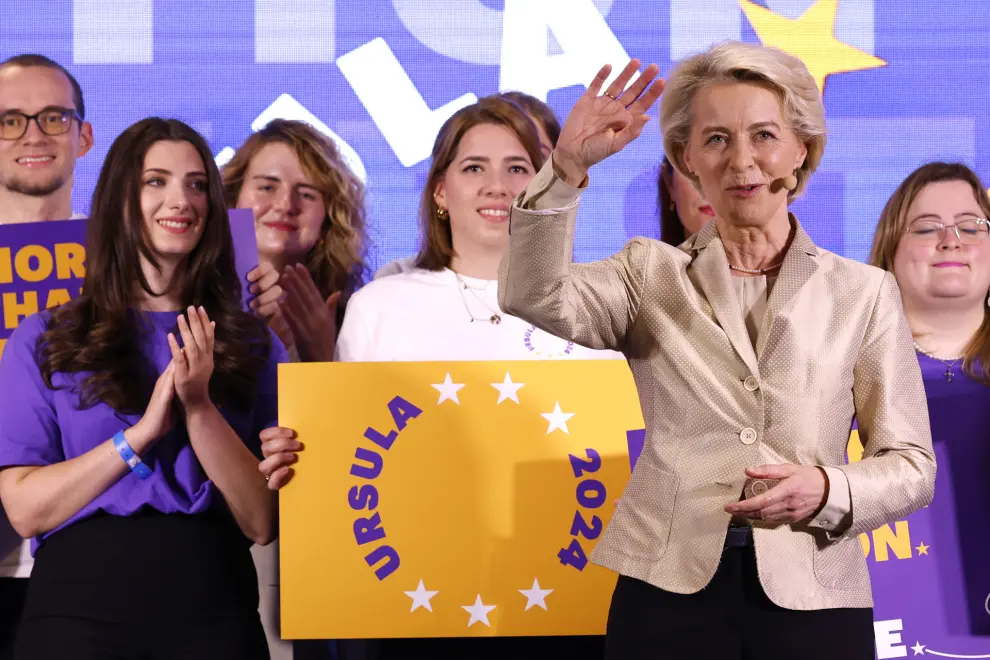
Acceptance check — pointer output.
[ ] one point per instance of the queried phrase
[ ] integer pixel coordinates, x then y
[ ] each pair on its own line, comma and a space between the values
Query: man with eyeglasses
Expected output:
42, 133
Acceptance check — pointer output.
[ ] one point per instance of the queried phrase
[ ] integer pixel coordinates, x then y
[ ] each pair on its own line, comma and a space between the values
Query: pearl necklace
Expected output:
758, 271
948, 362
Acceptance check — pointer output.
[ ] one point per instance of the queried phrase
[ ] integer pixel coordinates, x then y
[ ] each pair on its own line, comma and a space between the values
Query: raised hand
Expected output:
157, 419
194, 361
265, 288
311, 319
599, 126
278, 446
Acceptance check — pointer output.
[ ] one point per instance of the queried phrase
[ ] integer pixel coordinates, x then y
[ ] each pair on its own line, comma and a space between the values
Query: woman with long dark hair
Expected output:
129, 432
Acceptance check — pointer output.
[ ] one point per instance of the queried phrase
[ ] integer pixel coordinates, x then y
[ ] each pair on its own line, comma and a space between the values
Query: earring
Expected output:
988, 301
442, 214
790, 181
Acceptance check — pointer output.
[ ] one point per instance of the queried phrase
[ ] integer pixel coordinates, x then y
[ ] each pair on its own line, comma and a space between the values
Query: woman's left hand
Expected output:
800, 493
311, 319
194, 361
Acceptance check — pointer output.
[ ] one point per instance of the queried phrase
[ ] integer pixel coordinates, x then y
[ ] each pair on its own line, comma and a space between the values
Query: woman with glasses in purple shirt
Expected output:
934, 236
129, 441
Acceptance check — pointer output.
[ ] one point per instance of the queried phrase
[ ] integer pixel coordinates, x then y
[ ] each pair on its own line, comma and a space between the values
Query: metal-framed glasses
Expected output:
932, 232
51, 121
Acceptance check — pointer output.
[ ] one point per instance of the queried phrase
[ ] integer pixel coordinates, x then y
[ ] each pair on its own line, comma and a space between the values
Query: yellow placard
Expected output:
451, 499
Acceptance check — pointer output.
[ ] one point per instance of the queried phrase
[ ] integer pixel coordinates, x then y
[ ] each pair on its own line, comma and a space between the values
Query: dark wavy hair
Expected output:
96, 335
671, 228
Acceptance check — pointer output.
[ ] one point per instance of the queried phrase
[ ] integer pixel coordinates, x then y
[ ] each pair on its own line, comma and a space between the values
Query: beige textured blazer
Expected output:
834, 344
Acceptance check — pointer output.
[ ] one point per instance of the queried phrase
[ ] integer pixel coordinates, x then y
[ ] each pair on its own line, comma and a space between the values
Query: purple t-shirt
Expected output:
39, 426
940, 594
960, 513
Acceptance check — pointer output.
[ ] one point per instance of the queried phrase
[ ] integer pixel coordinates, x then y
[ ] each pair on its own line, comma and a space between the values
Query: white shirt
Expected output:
422, 315
15, 552
403, 265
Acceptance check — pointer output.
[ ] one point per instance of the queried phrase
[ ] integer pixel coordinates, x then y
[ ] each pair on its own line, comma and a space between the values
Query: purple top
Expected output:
940, 592
960, 513
39, 426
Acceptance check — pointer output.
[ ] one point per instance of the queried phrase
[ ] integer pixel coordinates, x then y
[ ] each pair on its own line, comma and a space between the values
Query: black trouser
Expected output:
494, 648
730, 619
12, 594
472, 648
148, 586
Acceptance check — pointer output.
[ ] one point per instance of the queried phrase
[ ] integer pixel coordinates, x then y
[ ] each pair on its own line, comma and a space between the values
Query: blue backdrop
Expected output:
904, 83
382, 75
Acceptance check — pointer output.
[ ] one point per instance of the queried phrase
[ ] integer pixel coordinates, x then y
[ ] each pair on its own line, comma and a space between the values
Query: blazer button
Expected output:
751, 384
748, 436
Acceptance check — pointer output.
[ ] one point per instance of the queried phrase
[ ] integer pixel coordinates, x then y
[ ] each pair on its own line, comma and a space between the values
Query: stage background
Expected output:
222, 65
904, 83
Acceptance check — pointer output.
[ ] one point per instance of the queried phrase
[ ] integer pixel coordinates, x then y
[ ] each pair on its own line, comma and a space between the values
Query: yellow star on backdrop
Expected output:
922, 549
810, 38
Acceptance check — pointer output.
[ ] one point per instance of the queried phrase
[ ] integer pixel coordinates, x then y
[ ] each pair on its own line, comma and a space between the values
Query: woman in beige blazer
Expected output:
752, 350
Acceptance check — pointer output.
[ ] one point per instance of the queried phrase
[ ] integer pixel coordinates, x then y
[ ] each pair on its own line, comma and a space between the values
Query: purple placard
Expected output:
635, 439
42, 264
245, 246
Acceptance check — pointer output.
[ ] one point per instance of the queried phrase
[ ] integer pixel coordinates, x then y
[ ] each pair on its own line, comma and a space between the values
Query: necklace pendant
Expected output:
948, 374
495, 319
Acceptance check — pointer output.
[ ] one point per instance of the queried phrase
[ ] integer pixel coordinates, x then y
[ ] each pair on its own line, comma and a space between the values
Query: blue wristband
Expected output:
133, 460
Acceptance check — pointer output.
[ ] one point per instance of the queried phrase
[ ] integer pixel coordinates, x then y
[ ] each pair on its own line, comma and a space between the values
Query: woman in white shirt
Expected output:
446, 309
547, 129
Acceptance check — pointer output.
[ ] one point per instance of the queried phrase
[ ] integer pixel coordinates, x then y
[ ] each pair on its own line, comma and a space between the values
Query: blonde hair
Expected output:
893, 224
735, 61
437, 245
337, 261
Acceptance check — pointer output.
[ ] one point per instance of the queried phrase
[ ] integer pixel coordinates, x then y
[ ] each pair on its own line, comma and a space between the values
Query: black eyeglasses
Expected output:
51, 121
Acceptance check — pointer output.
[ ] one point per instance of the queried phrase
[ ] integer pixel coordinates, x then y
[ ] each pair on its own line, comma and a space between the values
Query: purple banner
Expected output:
930, 573
245, 245
43, 264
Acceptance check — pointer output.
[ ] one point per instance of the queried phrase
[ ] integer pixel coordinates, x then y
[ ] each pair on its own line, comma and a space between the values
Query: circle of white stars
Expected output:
536, 596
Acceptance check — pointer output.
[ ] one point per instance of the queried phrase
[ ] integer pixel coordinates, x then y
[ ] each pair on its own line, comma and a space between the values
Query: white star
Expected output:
557, 418
536, 596
479, 612
421, 597
918, 648
448, 390
507, 389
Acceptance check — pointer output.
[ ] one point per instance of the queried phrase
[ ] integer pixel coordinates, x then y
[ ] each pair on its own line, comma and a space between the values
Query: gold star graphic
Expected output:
810, 38
922, 549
